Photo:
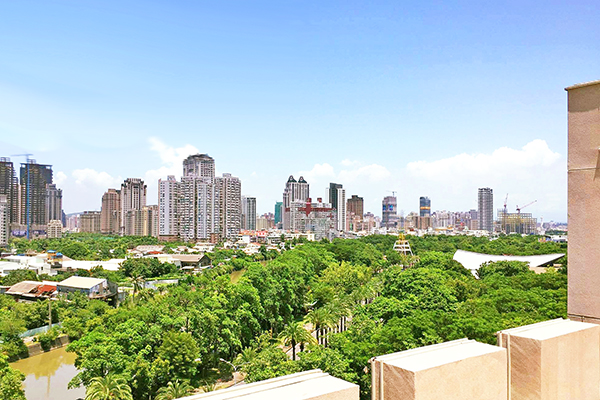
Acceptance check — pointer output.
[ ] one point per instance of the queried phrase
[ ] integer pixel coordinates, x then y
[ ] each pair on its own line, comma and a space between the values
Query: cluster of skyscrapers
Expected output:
204, 207
29, 203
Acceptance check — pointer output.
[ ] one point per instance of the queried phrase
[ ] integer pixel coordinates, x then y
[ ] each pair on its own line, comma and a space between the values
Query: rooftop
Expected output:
584, 84
80, 282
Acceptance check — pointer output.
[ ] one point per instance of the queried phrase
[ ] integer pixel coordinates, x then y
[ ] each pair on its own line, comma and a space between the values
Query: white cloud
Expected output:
90, 177
372, 173
499, 163
534, 172
172, 164
318, 171
59, 177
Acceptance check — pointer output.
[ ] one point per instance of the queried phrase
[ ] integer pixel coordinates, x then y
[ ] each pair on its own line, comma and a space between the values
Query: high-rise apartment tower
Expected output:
133, 197
249, 213
389, 212
424, 207
34, 181
168, 195
486, 209
9, 187
337, 199
199, 165
110, 214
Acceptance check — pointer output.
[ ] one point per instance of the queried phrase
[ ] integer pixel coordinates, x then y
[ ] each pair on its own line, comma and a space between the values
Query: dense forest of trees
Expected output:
178, 335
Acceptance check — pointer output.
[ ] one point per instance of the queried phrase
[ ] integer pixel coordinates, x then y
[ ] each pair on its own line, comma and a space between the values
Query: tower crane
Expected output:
27, 197
519, 220
526, 205
504, 215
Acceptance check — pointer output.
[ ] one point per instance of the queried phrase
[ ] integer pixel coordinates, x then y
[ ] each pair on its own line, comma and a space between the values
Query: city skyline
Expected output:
343, 76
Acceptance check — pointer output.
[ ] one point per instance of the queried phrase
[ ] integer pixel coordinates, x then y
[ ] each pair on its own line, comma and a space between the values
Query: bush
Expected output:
47, 339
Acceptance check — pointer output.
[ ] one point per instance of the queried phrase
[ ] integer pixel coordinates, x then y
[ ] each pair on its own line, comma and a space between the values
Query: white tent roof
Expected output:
472, 261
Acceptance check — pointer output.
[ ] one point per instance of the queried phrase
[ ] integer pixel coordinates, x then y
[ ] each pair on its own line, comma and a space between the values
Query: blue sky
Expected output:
422, 97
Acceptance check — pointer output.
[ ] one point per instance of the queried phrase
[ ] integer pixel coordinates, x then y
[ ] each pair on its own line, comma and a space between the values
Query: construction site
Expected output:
517, 222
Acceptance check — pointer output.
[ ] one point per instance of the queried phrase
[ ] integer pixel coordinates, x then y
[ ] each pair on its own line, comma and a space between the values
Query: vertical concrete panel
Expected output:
584, 201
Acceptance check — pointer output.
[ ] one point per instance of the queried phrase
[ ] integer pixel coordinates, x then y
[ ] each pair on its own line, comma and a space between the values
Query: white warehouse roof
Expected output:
472, 261
80, 282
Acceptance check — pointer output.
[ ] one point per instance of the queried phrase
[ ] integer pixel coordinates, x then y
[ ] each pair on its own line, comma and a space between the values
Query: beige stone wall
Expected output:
584, 201
553, 360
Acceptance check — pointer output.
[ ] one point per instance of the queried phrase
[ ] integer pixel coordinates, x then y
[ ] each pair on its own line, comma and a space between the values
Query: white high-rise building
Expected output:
249, 213
340, 209
54, 230
53, 202
486, 209
4, 220
199, 165
168, 196
294, 191
201, 206
230, 202
133, 197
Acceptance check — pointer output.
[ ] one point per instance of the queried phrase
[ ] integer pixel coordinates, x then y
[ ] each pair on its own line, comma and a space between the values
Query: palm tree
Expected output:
138, 284
294, 334
319, 318
110, 387
173, 391
247, 355
209, 386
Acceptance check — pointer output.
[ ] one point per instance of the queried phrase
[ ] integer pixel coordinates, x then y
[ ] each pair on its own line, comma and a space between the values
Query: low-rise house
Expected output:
94, 288
32, 290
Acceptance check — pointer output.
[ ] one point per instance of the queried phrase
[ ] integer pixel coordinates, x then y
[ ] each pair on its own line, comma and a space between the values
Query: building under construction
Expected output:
521, 223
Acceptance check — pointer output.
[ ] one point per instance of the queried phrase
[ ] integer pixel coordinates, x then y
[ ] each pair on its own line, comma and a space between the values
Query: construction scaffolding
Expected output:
520, 223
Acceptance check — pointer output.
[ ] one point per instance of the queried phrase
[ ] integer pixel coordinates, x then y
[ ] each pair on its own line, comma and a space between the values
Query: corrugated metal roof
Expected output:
23, 287
80, 282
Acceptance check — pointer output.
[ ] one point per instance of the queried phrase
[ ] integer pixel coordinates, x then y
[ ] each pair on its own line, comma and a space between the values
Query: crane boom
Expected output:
526, 205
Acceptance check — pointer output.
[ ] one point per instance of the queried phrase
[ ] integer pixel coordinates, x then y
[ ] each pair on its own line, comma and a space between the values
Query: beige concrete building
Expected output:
110, 217
89, 222
457, 370
558, 359
54, 230
584, 201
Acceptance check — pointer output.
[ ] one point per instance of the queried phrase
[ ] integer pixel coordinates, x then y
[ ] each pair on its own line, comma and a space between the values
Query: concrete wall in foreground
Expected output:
584, 202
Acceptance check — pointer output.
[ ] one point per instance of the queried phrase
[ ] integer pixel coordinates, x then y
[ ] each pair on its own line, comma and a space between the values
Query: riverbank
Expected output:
35, 348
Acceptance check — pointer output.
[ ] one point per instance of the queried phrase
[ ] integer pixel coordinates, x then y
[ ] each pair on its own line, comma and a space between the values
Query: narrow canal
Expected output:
48, 374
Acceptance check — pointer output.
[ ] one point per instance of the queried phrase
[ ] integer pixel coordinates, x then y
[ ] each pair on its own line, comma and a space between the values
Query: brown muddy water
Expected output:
48, 374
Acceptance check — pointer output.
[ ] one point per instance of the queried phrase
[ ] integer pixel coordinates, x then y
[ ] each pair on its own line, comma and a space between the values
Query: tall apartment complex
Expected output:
337, 199
200, 206
355, 208
89, 222
4, 219
110, 214
9, 187
389, 212
249, 213
133, 198
168, 196
35, 179
53, 203
485, 210
424, 207
294, 191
